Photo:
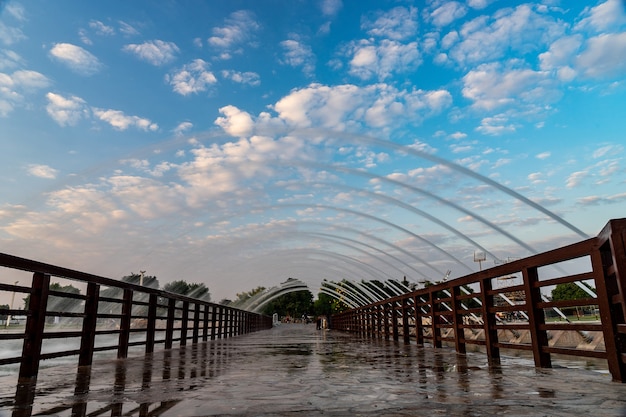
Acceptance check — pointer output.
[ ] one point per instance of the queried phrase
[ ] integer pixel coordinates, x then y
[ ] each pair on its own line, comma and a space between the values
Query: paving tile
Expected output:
295, 369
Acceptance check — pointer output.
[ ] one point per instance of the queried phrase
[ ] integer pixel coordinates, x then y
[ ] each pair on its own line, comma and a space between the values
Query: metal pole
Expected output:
11, 307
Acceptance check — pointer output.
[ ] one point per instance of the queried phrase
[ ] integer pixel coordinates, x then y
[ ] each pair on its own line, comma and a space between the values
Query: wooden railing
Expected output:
508, 307
110, 316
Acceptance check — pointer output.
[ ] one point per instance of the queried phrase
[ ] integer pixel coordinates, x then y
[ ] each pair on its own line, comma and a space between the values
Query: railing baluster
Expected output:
35, 324
90, 320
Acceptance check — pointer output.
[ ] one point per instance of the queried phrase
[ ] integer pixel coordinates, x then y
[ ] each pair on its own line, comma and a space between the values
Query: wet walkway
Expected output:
297, 370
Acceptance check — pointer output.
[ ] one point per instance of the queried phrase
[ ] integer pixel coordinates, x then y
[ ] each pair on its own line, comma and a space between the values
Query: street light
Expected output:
11, 306
480, 257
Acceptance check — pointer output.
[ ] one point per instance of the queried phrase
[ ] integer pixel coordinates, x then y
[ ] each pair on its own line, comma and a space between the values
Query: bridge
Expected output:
140, 351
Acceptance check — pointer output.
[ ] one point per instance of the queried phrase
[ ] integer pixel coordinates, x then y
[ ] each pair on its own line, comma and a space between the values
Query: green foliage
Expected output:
4, 307
195, 290
56, 303
293, 304
569, 291
148, 280
244, 296
325, 305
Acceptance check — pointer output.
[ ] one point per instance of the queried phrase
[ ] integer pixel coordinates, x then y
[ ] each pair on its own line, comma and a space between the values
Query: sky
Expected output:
240, 143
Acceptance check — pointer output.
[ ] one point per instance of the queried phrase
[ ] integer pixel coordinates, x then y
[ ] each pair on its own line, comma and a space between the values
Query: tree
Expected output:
293, 304
195, 290
242, 297
3, 317
58, 303
570, 291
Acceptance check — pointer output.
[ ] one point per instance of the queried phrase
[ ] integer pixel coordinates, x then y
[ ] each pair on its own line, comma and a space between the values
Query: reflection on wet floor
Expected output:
295, 369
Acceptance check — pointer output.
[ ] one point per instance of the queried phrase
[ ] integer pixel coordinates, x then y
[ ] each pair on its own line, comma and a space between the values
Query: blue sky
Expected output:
241, 143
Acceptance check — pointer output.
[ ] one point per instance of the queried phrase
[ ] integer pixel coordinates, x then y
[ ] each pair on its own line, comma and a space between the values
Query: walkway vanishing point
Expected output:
416, 354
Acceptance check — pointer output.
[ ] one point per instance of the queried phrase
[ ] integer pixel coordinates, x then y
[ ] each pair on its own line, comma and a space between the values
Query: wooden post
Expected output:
88, 337
169, 326
214, 313
489, 322
196, 323
205, 324
435, 330
405, 321
459, 332
609, 271
419, 330
536, 318
127, 311
184, 324
151, 326
35, 325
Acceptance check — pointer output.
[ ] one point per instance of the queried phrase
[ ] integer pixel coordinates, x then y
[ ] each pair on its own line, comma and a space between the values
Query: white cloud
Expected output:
101, 29
487, 38
479, 4
382, 59
10, 59
10, 35
120, 121
16, 86
235, 122
496, 125
343, 107
239, 29
574, 179
331, 7
560, 55
603, 56
76, 58
296, 54
491, 86
607, 150
42, 171
605, 16
447, 13
127, 29
458, 135
183, 127
536, 178
250, 78
398, 24
66, 111
192, 78
156, 52
543, 155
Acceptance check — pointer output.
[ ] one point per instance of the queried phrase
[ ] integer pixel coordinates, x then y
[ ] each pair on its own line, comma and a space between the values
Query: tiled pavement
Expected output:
295, 369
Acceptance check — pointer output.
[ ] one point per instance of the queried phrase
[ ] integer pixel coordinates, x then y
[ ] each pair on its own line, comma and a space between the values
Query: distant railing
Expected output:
506, 307
111, 316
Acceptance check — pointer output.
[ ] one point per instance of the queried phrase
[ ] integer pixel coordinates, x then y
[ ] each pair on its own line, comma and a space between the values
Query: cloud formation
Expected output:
77, 59
155, 52
192, 78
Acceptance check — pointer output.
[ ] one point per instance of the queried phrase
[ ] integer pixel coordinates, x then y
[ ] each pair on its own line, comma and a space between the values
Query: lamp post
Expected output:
11, 306
480, 257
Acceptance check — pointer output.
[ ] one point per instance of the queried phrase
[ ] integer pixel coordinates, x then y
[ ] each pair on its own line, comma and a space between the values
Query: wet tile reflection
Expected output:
296, 369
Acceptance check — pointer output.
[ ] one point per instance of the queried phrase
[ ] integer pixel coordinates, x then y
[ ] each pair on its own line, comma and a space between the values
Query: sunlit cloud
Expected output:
156, 52
192, 78
16, 87
248, 77
239, 29
76, 58
66, 111
399, 23
297, 54
42, 171
120, 121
